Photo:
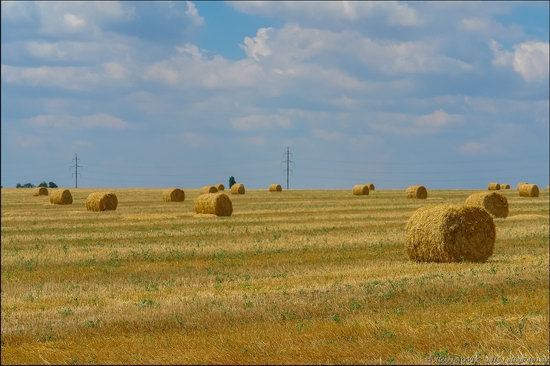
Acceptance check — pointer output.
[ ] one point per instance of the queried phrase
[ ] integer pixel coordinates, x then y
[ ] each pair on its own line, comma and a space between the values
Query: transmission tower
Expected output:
288, 163
76, 173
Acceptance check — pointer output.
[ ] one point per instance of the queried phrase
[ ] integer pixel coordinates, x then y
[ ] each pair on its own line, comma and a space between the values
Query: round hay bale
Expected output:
520, 184
61, 197
360, 189
237, 188
101, 201
447, 233
41, 191
220, 187
417, 192
173, 195
504, 186
371, 186
495, 203
217, 204
209, 189
275, 188
528, 190
493, 186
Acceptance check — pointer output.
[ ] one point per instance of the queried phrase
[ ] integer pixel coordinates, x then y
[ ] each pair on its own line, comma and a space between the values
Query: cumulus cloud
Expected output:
257, 46
530, 59
192, 12
260, 122
99, 120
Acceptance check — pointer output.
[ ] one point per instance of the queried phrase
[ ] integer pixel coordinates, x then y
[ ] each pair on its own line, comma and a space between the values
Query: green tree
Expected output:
43, 184
52, 185
18, 185
231, 181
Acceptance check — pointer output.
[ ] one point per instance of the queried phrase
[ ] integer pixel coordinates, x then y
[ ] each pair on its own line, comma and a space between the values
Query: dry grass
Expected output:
495, 203
217, 204
308, 277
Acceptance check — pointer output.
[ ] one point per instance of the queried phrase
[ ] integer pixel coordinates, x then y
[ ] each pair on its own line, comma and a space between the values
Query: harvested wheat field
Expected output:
307, 277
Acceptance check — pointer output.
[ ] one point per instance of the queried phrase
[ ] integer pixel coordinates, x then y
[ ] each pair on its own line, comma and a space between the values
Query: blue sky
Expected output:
156, 94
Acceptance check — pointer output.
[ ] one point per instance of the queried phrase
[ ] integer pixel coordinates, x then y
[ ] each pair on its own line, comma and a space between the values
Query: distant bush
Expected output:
43, 184
52, 185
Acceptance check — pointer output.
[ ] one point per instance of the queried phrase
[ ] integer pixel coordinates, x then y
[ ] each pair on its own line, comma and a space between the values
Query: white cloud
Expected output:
28, 141
79, 144
254, 140
100, 120
260, 122
257, 46
74, 21
193, 13
115, 70
195, 139
328, 135
530, 59
438, 118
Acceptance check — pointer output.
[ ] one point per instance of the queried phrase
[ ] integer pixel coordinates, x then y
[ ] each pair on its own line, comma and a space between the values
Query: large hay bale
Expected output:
220, 187
237, 188
173, 195
275, 188
360, 189
217, 204
61, 197
494, 203
209, 189
504, 186
41, 191
101, 201
417, 192
528, 190
371, 186
520, 184
493, 186
447, 233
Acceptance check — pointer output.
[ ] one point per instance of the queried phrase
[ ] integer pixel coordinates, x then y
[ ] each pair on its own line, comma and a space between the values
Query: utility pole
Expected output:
288, 163
76, 166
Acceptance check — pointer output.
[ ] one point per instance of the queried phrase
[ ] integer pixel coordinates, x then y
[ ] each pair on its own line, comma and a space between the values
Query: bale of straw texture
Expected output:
360, 189
173, 195
275, 188
504, 186
494, 203
61, 197
493, 186
42, 191
209, 189
237, 188
217, 204
529, 190
417, 192
101, 201
220, 187
520, 184
371, 186
448, 233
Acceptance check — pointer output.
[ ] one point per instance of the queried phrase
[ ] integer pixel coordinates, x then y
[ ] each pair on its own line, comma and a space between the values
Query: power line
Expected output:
76, 173
288, 163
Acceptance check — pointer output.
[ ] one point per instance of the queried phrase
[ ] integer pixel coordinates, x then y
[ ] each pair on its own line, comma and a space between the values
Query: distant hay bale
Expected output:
504, 186
237, 188
217, 204
447, 233
417, 192
494, 203
275, 188
173, 195
360, 189
371, 186
61, 197
209, 189
101, 201
528, 190
520, 184
220, 187
493, 186
41, 191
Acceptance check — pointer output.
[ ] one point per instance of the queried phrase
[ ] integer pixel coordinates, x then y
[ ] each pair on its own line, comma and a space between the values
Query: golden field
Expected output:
293, 277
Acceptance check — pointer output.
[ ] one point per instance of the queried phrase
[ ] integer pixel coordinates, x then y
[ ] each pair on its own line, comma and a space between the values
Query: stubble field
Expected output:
293, 277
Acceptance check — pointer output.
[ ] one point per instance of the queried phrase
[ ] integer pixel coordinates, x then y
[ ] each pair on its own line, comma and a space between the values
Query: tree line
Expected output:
42, 184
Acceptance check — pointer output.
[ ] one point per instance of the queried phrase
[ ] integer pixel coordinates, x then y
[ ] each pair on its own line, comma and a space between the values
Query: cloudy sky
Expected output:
188, 93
